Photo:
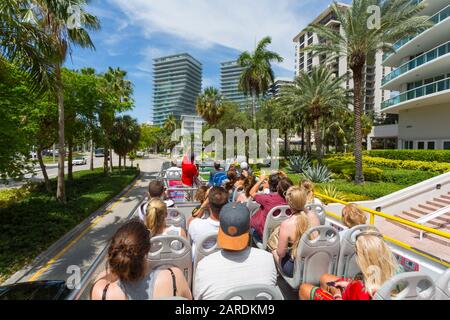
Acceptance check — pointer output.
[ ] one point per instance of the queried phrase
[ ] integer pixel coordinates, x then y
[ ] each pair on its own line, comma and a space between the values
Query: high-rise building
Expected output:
304, 61
420, 82
277, 85
230, 74
177, 82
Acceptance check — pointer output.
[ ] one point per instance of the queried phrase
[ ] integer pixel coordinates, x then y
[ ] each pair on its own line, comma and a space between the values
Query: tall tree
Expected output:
126, 136
210, 105
361, 40
66, 23
315, 96
257, 75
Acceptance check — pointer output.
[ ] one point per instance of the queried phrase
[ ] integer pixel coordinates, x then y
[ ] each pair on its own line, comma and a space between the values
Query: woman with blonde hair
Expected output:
156, 220
308, 186
291, 230
352, 216
377, 265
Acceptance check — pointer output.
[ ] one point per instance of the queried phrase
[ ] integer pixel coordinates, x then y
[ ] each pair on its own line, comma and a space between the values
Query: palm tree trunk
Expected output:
92, 155
61, 188
111, 159
318, 140
48, 186
254, 109
357, 79
69, 163
105, 161
308, 141
303, 140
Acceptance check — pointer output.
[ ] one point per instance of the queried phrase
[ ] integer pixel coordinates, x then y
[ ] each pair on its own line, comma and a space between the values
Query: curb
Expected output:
45, 256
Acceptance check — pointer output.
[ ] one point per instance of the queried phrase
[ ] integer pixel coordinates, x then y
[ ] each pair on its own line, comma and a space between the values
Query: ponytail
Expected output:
156, 216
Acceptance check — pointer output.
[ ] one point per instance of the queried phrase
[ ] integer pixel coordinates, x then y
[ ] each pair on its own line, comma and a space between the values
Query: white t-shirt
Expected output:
199, 228
225, 270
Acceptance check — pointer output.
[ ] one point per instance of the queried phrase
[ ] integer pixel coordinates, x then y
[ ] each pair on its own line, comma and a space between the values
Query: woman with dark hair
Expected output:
128, 275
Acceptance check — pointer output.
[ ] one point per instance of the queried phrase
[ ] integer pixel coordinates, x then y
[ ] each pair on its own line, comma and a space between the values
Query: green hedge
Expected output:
416, 155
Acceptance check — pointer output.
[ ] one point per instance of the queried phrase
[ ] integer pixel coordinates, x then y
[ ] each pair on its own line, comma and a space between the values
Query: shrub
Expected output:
317, 174
407, 177
298, 164
416, 155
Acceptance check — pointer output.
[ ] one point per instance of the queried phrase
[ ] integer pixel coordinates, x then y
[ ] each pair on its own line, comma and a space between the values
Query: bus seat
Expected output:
172, 298
175, 218
416, 286
167, 251
206, 246
274, 218
319, 210
347, 266
315, 257
443, 286
253, 207
253, 292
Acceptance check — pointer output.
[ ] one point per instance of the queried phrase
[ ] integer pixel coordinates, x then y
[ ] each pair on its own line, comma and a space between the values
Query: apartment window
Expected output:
431, 145
408, 145
446, 145
421, 145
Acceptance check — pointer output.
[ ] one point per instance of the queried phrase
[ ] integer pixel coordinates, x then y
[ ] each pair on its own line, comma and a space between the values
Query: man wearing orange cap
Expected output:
236, 264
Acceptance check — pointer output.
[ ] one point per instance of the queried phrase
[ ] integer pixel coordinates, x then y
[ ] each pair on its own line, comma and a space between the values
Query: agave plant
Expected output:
299, 164
318, 173
331, 191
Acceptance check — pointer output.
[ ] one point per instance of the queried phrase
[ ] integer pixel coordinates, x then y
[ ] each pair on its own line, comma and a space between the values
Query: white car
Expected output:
79, 161
140, 154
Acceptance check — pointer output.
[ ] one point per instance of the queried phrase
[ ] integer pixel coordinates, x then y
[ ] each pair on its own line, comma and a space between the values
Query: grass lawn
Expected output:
33, 223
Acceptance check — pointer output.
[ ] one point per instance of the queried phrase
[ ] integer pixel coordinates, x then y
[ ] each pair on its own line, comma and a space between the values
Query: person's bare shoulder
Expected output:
113, 293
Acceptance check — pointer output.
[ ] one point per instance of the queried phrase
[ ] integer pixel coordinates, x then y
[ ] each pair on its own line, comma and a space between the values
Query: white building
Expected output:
304, 61
420, 83
276, 86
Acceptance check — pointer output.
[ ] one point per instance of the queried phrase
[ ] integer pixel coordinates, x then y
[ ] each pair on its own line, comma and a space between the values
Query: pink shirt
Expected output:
267, 202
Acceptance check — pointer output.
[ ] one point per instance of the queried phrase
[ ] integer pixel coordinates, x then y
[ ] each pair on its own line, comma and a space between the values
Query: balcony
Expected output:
436, 19
438, 90
429, 56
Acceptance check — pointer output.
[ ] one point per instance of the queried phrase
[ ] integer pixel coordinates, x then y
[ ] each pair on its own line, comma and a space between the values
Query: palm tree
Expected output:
23, 43
125, 137
54, 18
257, 75
315, 96
210, 105
359, 43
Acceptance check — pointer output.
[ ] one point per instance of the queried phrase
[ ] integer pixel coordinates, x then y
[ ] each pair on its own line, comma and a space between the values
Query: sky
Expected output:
134, 32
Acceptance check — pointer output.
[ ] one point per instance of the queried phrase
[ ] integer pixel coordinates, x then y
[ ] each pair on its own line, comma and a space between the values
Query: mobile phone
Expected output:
331, 284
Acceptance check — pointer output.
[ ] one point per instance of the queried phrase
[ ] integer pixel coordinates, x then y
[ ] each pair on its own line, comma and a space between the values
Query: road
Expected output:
52, 171
81, 246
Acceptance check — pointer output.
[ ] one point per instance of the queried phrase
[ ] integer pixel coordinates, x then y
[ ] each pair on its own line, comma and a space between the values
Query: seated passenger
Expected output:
236, 264
291, 230
128, 274
245, 169
249, 183
278, 185
156, 190
198, 228
200, 196
351, 216
377, 264
156, 220
309, 188
215, 170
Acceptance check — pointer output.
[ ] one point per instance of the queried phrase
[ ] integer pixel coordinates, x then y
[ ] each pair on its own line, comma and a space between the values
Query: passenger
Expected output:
352, 216
377, 264
200, 196
215, 170
198, 228
189, 174
309, 188
286, 239
236, 264
246, 171
156, 190
128, 275
156, 220
249, 183
189, 171
278, 185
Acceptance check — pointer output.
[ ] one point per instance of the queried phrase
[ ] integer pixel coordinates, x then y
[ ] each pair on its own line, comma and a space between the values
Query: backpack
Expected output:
219, 178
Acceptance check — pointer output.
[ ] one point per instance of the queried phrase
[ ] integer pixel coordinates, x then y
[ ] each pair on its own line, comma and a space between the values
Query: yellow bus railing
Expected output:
401, 244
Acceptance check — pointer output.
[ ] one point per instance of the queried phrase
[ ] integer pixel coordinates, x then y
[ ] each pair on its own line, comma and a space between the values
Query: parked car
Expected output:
140, 154
79, 161
100, 152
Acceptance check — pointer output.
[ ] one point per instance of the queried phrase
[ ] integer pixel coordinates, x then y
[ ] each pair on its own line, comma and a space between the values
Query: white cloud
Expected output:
236, 24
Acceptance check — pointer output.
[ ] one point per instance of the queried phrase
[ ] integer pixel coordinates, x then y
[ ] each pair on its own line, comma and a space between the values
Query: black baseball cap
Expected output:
234, 227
